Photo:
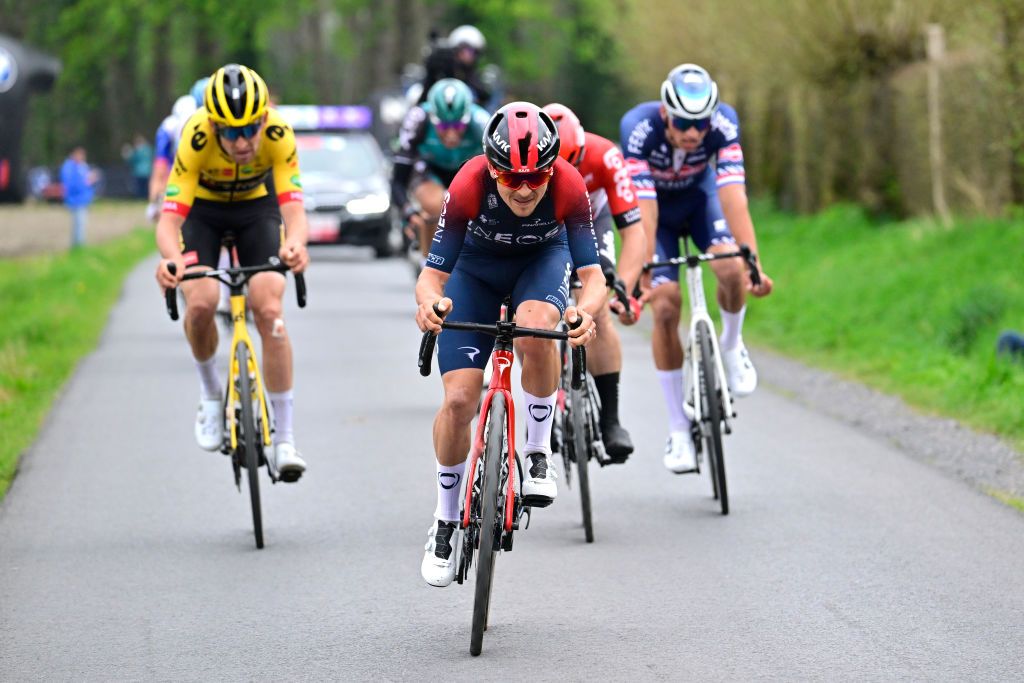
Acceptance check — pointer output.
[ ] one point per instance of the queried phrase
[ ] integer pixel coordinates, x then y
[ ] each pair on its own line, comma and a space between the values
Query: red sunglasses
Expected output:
514, 181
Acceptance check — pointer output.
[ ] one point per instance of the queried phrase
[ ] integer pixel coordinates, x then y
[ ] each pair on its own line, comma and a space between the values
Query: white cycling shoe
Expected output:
739, 371
539, 488
680, 456
438, 566
289, 464
210, 424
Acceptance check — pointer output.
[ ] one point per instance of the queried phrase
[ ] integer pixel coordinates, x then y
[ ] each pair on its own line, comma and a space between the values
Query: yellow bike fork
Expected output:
241, 336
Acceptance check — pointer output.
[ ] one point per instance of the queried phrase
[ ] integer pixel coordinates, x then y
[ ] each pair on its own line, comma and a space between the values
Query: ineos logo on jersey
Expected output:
275, 133
199, 141
492, 201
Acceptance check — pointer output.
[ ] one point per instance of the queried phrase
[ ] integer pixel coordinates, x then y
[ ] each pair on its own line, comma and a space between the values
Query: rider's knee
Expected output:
267, 312
460, 402
665, 309
728, 272
531, 347
200, 309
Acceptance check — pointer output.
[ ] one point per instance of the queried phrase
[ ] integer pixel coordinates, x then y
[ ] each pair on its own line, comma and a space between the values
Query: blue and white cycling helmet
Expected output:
689, 93
198, 90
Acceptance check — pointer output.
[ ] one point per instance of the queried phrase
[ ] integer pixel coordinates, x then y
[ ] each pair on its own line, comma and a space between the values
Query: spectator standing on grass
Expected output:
139, 156
78, 181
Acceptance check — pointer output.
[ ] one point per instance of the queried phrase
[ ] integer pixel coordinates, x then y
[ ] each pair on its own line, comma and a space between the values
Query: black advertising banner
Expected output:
23, 71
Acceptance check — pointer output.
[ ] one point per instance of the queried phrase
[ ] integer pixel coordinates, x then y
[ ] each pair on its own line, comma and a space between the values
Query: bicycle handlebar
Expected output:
429, 340
244, 273
745, 252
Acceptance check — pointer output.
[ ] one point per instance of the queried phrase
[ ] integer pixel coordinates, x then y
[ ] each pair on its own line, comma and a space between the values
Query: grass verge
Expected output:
53, 310
910, 308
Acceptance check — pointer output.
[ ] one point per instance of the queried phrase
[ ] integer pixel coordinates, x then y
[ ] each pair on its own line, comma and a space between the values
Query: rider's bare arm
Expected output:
737, 215
632, 254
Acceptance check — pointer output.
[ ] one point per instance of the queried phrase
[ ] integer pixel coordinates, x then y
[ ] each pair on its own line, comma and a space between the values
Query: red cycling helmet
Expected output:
570, 133
521, 138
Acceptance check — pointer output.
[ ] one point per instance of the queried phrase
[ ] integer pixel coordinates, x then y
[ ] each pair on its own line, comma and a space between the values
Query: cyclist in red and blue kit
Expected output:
613, 201
685, 157
515, 222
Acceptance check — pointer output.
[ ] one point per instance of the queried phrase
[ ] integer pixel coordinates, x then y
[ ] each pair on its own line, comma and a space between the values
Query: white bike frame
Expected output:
698, 312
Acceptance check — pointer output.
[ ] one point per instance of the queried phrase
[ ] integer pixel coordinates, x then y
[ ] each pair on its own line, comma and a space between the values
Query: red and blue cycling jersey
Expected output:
659, 168
475, 219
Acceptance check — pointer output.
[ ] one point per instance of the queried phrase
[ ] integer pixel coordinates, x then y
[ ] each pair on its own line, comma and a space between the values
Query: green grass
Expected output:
1007, 499
910, 308
53, 309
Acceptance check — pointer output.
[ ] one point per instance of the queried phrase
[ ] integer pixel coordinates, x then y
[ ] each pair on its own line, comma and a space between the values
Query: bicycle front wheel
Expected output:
249, 436
579, 419
492, 515
711, 414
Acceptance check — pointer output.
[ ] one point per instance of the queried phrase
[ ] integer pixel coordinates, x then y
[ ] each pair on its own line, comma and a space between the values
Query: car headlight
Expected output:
371, 203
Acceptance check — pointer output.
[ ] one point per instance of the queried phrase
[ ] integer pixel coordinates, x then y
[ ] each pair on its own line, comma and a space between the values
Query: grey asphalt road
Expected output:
127, 554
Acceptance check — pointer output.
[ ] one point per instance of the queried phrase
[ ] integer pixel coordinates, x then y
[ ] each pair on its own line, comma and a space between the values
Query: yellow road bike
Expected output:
247, 425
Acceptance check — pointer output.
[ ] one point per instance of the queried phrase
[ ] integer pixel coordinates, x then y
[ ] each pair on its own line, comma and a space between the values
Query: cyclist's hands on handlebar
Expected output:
427, 317
628, 316
585, 332
294, 255
163, 275
764, 288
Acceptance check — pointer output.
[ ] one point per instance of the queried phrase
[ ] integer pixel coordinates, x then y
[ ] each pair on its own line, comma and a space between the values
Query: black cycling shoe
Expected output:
617, 443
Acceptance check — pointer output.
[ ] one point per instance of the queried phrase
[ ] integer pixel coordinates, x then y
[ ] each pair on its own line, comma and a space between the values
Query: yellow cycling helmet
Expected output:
235, 96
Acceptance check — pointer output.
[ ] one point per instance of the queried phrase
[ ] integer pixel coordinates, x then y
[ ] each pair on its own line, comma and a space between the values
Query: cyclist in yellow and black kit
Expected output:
228, 150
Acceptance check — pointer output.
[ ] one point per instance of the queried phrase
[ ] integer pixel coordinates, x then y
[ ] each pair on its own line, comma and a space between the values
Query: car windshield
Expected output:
347, 155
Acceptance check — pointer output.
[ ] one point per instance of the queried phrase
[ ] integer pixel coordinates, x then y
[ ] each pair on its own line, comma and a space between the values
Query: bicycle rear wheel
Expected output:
581, 438
711, 414
492, 515
248, 429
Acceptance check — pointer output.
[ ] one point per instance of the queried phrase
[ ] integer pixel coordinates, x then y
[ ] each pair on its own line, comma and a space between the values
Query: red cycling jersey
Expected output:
608, 181
476, 219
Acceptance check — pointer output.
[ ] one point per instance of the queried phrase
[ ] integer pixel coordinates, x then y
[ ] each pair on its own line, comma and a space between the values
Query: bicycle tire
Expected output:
248, 428
711, 397
578, 399
492, 518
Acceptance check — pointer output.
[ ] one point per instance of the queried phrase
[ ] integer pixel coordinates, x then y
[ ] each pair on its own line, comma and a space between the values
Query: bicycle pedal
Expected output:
525, 513
537, 501
290, 476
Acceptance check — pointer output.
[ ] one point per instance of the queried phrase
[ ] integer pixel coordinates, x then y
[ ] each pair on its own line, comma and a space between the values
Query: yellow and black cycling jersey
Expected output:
203, 170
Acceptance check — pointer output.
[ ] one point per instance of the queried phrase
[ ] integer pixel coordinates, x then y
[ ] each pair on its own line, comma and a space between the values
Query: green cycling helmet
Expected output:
451, 102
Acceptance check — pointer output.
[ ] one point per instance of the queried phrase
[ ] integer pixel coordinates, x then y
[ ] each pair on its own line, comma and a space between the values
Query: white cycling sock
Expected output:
449, 488
732, 329
209, 380
540, 412
672, 388
282, 403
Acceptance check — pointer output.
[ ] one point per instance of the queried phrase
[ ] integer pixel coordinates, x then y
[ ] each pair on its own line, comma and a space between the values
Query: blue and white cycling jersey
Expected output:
659, 169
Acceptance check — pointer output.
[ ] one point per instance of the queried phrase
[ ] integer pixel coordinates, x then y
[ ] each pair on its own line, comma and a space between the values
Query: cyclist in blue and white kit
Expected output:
436, 138
166, 142
685, 158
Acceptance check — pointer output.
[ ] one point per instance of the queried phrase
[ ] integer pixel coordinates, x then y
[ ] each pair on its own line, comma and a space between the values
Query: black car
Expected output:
345, 178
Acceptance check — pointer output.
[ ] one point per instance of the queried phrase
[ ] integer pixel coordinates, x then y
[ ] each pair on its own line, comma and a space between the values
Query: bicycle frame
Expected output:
240, 335
501, 381
699, 312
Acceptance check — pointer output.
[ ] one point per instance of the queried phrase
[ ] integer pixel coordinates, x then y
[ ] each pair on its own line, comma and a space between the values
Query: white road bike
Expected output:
708, 402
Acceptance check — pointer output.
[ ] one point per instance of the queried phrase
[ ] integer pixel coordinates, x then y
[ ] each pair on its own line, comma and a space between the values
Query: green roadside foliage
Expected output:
909, 308
53, 310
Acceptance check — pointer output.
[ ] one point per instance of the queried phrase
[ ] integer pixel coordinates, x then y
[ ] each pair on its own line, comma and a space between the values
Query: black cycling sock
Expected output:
608, 390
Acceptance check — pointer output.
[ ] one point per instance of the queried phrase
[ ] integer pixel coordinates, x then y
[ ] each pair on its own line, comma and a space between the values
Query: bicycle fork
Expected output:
698, 313
241, 336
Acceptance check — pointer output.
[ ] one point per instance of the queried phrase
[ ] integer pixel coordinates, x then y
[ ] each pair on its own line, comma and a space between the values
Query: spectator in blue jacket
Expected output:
78, 181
